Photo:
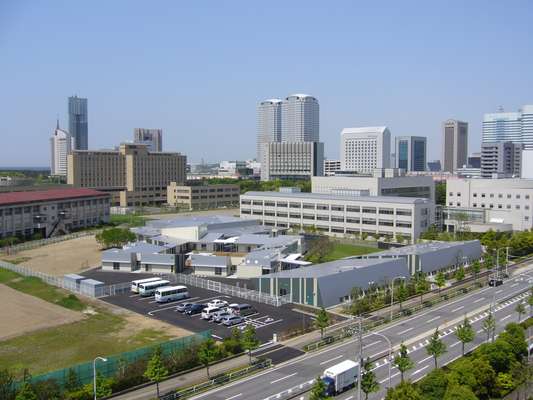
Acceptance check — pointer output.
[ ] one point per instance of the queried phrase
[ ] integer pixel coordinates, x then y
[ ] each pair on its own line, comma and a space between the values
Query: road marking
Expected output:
151, 313
420, 370
454, 344
187, 300
457, 309
234, 397
433, 319
330, 360
479, 331
405, 331
499, 291
285, 377
506, 317
516, 284
392, 376
371, 344
478, 300
216, 337
425, 359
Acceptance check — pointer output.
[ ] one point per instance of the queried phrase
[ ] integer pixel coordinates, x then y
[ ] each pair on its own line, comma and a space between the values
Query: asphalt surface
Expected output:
413, 331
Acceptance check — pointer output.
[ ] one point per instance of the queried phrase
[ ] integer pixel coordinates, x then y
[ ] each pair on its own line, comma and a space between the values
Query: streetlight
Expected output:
390, 352
392, 293
94, 372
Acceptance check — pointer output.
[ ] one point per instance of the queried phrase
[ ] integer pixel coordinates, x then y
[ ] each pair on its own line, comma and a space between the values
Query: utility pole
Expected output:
507, 262
360, 358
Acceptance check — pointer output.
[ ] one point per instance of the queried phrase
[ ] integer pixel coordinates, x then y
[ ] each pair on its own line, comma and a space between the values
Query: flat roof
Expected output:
419, 248
33, 196
326, 196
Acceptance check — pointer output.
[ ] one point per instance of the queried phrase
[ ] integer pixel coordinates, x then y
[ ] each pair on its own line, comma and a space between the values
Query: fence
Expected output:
292, 392
43, 242
117, 363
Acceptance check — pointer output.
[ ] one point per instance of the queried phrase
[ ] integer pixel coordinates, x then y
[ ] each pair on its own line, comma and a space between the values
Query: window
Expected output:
116, 266
500, 195
451, 193
458, 194
475, 204
508, 196
492, 195
407, 213
517, 207
518, 197
322, 207
508, 206
475, 195
337, 219
218, 271
482, 194
369, 210
353, 209
337, 208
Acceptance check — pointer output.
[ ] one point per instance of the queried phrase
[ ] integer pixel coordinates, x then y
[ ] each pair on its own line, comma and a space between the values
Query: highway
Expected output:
414, 332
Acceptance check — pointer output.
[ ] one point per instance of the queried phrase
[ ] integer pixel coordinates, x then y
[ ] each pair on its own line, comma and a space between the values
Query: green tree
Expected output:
249, 340
115, 237
456, 392
515, 335
103, 387
26, 392
520, 310
401, 294
72, 382
476, 269
318, 390
369, 382
460, 273
433, 385
530, 302
319, 250
7, 385
489, 326
436, 346
440, 193
403, 391
504, 383
440, 280
233, 344
403, 362
207, 353
155, 370
499, 354
421, 286
322, 321
485, 376
465, 333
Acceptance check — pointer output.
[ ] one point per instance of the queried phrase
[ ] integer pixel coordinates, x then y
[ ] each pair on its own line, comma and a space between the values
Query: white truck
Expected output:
340, 377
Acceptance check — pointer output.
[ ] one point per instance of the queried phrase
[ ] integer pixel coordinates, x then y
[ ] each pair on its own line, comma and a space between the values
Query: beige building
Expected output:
198, 197
454, 145
133, 175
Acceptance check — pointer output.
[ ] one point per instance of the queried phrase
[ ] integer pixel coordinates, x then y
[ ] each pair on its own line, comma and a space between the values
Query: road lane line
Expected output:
371, 344
506, 317
457, 309
479, 331
478, 300
499, 291
392, 376
433, 319
425, 359
455, 344
282, 378
234, 397
331, 359
419, 370
516, 284
405, 331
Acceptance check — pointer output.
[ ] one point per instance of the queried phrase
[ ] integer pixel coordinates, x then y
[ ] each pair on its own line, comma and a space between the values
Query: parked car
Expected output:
208, 312
217, 303
232, 320
183, 307
219, 316
243, 309
195, 309
495, 282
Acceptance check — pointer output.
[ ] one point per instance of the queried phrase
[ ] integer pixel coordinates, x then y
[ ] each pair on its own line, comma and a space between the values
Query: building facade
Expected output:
365, 149
341, 215
454, 144
516, 127
300, 160
133, 175
268, 126
300, 119
331, 166
60, 148
51, 212
153, 138
411, 153
501, 158
202, 197
78, 123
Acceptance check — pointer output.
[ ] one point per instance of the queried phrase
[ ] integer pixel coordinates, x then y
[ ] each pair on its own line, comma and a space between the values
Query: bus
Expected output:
171, 293
148, 289
135, 284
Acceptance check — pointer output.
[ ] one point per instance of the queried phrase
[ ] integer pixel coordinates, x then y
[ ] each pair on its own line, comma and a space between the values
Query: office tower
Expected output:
268, 126
434, 166
331, 166
300, 119
516, 127
365, 149
153, 138
474, 160
410, 153
300, 160
454, 144
61, 146
502, 158
78, 123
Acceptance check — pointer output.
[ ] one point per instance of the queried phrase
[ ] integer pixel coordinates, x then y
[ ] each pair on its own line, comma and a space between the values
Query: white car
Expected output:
217, 303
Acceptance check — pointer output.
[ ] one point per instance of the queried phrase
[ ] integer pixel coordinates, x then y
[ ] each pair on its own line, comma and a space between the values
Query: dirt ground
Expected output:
232, 212
23, 313
70, 256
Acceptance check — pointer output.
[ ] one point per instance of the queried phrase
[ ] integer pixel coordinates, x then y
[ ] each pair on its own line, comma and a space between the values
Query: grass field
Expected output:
130, 220
341, 250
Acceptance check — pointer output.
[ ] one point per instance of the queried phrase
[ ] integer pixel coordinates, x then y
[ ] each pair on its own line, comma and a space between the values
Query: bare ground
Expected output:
219, 211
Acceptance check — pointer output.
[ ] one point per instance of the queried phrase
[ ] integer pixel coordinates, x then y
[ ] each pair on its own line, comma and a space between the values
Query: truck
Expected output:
340, 377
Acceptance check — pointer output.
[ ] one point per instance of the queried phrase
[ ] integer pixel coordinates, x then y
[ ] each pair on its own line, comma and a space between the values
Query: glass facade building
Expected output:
411, 153
516, 127
78, 123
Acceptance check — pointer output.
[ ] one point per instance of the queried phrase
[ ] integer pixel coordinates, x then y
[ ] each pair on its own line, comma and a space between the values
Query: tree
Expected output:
489, 326
403, 391
514, 334
440, 193
72, 382
319, 250
103, 387
504, 383
460, 273
115, 237
249, 340
322, 321
433, 385
155, 370
318, 391
7, 385
499, 354
369, 383
233, 344
207, 353
484, 375
436, 346
26, 392
520, 310
530, 302
421, 286
465, 333
440, 280
457, 392
476, 269
402, 294
403, 362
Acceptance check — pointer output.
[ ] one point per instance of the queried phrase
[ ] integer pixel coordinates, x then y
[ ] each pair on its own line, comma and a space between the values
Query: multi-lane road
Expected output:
414, 332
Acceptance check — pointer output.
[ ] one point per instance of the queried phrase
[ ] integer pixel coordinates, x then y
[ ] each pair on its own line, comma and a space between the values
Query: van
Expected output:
208, 312
243, 309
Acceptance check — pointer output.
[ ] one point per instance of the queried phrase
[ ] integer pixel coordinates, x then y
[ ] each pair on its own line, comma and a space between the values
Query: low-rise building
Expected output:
202, 197
288, 160
51, 212
340, 215
331, 166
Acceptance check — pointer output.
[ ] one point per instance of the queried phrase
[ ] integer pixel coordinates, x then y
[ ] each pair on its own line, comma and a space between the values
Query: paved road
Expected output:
413, 331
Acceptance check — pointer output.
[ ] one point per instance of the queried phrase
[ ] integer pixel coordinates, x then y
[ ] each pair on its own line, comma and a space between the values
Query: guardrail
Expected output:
32, 244
217, 381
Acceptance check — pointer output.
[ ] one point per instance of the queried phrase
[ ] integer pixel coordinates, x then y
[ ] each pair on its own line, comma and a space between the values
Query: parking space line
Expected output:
178, 301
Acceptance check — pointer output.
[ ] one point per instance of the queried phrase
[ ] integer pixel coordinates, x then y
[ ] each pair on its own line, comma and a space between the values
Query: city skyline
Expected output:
201, 77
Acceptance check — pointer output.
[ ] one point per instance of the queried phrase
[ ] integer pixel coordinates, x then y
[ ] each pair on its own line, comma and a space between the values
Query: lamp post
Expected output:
390, 352
94, 373
392, 293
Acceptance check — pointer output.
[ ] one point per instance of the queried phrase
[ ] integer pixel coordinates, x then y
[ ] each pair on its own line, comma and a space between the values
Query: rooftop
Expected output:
325, 196
8, 198
420, 248
365, 130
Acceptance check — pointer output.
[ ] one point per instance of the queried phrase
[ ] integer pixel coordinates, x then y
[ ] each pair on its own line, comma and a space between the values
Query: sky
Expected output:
198, 69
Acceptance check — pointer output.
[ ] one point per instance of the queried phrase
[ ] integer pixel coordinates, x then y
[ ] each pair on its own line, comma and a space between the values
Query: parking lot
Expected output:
266, 319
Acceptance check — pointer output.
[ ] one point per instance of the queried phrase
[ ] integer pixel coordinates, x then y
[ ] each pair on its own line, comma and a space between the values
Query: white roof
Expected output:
341, 367
365, 130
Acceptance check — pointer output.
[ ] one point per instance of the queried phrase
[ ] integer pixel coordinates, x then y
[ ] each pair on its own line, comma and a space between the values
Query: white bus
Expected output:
135, 284
148, 289
171, 293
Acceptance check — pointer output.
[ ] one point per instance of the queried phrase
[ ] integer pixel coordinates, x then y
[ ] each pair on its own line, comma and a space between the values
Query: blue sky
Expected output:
197, 69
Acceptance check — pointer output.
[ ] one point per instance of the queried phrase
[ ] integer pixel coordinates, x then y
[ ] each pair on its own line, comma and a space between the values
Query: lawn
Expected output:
342, 250
131, 220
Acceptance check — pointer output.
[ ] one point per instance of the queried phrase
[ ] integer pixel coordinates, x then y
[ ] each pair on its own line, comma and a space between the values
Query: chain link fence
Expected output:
33, 244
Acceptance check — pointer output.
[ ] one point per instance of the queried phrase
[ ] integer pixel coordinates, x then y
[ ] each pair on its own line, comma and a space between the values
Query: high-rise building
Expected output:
300, 119
502, 158
434, 166
516, 127
454, 144
474, 160
268, 126
300, 160
153, 138
411, 153
78, 126
331, 166
365, 149
61, 146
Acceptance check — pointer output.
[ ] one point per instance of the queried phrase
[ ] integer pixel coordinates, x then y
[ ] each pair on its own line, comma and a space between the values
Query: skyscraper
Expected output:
516, 127
454, 144
502, 158
300, 119
78, 123
365, 149
61, 147
411, 153
153, 138
268, 126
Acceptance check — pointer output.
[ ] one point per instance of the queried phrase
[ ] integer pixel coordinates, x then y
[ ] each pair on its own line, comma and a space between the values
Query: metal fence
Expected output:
43, 242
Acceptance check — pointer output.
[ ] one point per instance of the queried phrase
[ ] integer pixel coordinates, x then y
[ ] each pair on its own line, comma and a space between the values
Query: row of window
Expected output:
500, 206
491, 195
327, 207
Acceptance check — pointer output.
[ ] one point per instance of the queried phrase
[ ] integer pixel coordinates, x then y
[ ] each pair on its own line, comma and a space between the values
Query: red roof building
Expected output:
15, 198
